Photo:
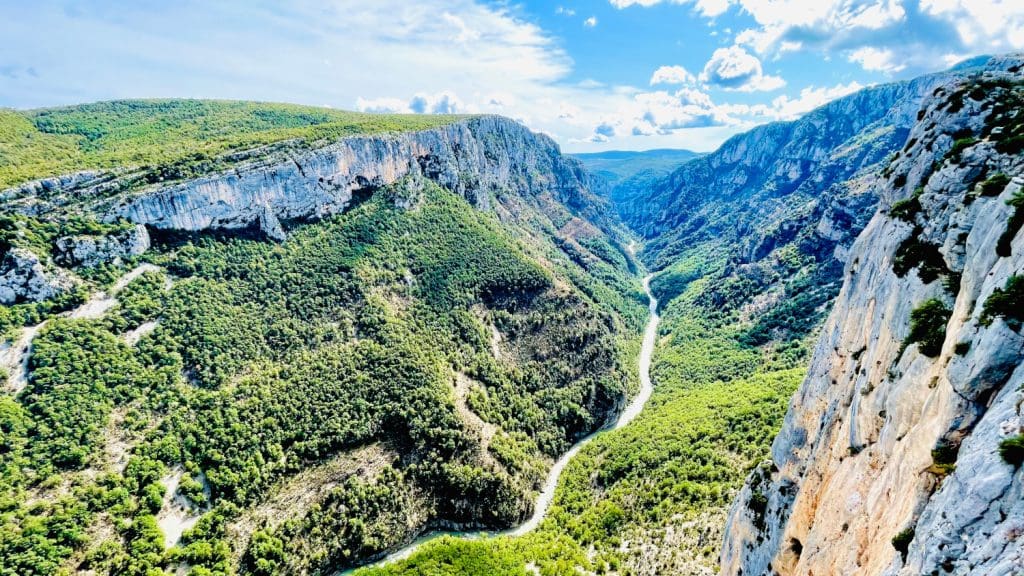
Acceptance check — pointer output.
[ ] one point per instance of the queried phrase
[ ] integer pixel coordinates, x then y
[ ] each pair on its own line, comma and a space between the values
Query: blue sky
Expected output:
594, 74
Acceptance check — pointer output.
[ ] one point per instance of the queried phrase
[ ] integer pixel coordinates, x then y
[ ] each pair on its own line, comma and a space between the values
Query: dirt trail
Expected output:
14, 356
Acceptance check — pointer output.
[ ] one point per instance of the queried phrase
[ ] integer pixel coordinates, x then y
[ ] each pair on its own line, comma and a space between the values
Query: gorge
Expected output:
341, 338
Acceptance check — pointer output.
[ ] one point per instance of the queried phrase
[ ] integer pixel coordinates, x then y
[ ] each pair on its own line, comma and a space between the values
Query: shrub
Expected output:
907, 208
1006, 303
1012, 450
1011, 145
901, 542
944, 457
1013, 225
928, 327
995, 185
913, 253
959, 146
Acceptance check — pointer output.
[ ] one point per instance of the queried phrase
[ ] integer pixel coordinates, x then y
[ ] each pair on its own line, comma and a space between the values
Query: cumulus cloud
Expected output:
709, 8
889, 36
671, 75
785, 108
590, 22
733, 68
439, 103
874, 59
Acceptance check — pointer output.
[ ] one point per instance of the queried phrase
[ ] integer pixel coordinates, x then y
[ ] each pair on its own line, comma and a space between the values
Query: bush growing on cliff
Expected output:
995, 185
925, 257
1012, 450
1013, 225
928, 327
1006, 303
901, 542
907, 208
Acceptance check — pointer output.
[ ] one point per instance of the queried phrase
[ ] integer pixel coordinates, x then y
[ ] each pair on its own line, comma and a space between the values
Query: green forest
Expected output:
268, 360
722, 382
171, 138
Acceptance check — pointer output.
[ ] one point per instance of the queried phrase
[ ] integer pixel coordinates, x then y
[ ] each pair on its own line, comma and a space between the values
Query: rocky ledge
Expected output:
889, 459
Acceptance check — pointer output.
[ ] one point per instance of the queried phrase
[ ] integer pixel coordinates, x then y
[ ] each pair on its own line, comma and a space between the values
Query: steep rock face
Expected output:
24, 278
786, 179
868, 448
92, 251
480, 158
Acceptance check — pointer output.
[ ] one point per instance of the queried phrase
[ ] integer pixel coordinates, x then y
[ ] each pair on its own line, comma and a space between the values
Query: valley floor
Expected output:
651, 498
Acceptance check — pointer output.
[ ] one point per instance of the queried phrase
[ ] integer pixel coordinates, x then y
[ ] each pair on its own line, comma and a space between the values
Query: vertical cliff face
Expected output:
482, 159
889, 461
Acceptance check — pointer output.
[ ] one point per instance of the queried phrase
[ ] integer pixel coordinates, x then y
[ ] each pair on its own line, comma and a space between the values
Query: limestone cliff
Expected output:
888, 460
485, 159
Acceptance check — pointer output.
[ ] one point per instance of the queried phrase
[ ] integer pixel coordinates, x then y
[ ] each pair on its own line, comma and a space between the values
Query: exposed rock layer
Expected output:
25, 278
90, 251
481, 159
855, 463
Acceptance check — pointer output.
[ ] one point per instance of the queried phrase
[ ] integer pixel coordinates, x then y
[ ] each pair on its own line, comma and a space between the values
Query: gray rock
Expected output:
90, 251
24, 278
853, 464
484, 159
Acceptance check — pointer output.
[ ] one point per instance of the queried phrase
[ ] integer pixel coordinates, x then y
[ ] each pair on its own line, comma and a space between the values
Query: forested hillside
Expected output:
749, 243
312, 336
220, 401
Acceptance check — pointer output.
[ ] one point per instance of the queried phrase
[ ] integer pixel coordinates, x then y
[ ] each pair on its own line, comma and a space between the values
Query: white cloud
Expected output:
733, 68
439, 103
383, 105
874, 59
671, 75
852, 27
708, 8
565, 11
590, 22
785, 108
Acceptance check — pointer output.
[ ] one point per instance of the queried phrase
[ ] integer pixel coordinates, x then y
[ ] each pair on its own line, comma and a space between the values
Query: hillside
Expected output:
751, 242
301, 362
307, 346
616, 166
167, 138
900, 452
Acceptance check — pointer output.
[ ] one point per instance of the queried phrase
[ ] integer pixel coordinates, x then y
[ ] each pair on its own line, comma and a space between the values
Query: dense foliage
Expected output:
722, 382
272, 359
1006, 303
928, 327
170, 139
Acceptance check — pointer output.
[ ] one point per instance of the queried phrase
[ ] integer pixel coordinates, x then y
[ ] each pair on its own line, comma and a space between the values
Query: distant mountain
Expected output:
615, 166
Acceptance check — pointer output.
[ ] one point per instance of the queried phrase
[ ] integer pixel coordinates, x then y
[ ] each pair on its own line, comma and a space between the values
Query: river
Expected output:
547, 494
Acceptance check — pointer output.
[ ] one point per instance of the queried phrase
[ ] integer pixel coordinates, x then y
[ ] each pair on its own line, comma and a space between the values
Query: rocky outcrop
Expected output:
90, 251
887, 462
25, 278
486, 159
778, 181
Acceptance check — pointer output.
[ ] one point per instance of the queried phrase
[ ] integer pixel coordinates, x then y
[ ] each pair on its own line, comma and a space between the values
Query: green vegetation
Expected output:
1011, 450
928, 327
901, 542
1013, 225
994, 185
169, 139
907, 209
944, 457
913, 253
1006, 303
38, 236
959, 146
722, 384
345, 337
